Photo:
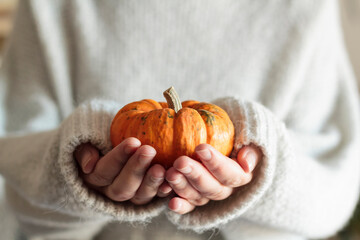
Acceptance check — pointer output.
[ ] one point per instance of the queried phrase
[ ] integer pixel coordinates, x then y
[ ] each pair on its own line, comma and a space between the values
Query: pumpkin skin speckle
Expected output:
173, 134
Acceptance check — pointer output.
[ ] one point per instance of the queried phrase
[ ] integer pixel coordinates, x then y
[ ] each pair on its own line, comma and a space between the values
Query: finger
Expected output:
164, 190
87, 156
201, 179
128, 181
109, 166
150, 185
248, 157
227, 171
183, 188
180, 205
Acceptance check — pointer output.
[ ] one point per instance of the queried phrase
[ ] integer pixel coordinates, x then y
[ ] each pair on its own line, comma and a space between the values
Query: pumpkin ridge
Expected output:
120, 124
144, 106
187, 121
160, 134
210, 119
216, 110
189, 103
153, 103
163, 104
136, 122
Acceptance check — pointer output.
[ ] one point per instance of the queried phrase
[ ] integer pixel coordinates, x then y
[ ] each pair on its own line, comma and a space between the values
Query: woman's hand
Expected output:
123, 173
214, 178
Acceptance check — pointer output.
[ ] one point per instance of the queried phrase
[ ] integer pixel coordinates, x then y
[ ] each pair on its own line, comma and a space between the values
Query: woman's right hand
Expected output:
124, 173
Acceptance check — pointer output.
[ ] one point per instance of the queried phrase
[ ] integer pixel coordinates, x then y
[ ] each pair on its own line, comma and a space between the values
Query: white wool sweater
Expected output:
278, 68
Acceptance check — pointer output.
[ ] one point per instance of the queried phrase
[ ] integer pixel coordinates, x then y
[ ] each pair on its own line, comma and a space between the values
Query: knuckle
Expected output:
179, 185
218, 195
140, 200
176, 180
200, 201
138, 172
197, 179
99, 180
119, 195
189, 193
235, 181
153, 182
139, 162
215, 167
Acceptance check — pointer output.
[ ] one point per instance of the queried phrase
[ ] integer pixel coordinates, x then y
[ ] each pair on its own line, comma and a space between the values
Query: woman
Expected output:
279, 69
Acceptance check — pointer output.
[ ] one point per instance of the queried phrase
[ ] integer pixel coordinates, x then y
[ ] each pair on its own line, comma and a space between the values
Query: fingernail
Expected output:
251, 159
145, 158
130, 149
155, 179
185, 170
204, 155
88, 165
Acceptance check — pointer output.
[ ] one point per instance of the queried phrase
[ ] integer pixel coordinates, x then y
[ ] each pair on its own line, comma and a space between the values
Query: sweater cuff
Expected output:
253, 124
91, 123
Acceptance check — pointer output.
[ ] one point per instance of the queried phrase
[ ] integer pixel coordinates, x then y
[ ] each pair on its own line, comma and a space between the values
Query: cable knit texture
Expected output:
278, 68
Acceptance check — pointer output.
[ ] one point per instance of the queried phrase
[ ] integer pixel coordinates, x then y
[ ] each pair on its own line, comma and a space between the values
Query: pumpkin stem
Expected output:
173, 99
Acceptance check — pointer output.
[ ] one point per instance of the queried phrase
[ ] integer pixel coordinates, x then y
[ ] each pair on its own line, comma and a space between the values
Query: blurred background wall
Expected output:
7, 9
350, 10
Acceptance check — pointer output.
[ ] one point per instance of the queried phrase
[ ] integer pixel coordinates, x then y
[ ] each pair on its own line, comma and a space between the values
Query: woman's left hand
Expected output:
214, 178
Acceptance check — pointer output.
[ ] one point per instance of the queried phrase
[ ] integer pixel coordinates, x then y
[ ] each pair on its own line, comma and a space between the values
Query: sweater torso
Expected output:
280, 54
128, 51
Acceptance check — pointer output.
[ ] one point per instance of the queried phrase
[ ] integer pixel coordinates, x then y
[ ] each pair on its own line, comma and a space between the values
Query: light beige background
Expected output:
350, 10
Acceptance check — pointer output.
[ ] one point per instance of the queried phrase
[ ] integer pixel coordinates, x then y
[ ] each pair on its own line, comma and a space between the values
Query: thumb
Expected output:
87, 156
248, 157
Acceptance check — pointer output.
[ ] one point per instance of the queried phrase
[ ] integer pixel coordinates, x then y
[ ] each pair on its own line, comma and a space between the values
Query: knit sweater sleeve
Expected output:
38, 138
40, 167
43, 186
307, 182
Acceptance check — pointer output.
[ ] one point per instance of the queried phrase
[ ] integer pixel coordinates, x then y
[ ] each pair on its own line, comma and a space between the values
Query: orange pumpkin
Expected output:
173, 131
